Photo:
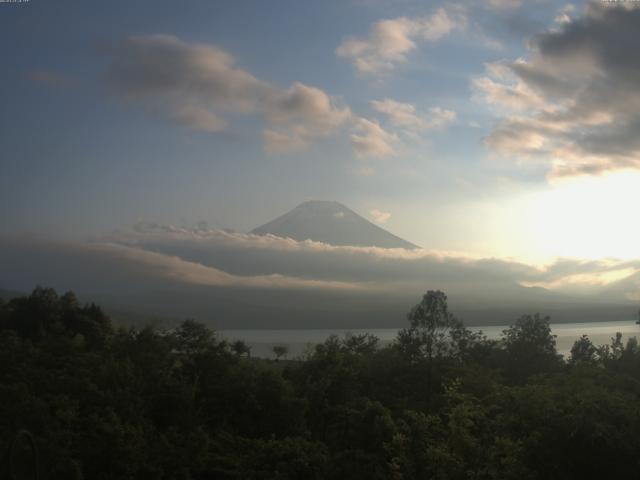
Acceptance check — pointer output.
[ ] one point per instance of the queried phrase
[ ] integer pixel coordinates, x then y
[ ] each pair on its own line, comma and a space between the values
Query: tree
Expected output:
33, 316
193, 337
530, 347
434, 335
240, 348
280, 351
362, 344
583, 351
434, 332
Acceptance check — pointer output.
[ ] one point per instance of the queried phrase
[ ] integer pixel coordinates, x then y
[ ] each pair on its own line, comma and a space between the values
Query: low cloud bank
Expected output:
307, 280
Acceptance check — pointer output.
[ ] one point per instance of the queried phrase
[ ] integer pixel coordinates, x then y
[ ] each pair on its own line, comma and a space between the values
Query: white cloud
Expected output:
390, 41
400, 114
372, 140
379, 216
585, 282
564, 14
502, 89
439, 117
406, 115
369, 265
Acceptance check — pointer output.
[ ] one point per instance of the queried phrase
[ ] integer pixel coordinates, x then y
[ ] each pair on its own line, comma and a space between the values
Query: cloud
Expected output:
564, 14
576, 94
108, 266
406, 115
181, 73
584, 283
307, 105
379, 216
372, 140
268, 253
395, 269
390, 41
285, 141
237, 280
199, 86
579, 277
502, 89
304, 113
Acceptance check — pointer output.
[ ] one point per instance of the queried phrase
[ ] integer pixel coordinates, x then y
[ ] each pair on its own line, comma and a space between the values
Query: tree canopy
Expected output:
94, 400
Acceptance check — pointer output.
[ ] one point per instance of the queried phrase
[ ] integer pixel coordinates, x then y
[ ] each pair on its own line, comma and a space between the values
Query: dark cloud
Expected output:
115, 267
198, 86
585, 71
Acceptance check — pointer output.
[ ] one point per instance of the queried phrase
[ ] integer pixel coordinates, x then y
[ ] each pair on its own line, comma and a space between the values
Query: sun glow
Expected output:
584, 282
587, 217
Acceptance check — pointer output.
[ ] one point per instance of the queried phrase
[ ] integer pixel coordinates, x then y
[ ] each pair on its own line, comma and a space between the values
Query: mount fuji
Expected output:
332, 223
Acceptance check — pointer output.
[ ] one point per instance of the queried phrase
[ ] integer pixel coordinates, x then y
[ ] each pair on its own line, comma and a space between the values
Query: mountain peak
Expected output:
323, 207
329, 204
333, 223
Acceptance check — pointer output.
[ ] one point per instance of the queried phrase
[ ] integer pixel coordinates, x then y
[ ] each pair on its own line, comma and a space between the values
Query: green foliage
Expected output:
240, 348
434, 332
530, 348
583, 351
439, 403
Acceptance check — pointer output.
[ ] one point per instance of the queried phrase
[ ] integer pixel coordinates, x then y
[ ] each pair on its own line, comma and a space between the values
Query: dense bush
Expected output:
439, 403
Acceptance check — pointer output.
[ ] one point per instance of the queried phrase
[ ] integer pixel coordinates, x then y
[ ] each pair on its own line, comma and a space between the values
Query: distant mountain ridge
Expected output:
333, 223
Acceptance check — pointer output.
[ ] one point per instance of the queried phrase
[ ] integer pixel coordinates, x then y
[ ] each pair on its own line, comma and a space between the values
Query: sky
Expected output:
493, 128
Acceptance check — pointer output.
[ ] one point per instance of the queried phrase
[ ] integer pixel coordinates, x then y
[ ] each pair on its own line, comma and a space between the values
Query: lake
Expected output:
299, 340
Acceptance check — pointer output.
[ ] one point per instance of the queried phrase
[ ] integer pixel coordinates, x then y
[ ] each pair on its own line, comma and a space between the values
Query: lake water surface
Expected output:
298, 341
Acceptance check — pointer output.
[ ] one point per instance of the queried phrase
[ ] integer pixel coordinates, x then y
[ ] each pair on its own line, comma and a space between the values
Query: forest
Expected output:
82, 397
